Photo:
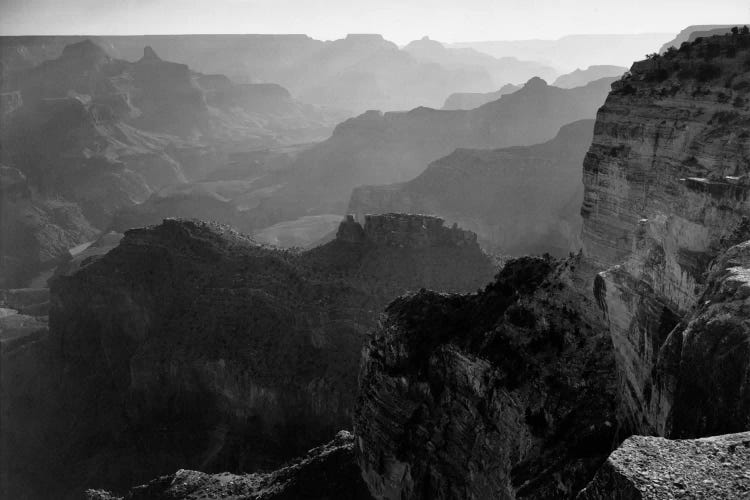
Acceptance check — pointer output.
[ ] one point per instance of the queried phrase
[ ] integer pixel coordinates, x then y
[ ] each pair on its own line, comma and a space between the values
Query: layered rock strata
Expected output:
666, 192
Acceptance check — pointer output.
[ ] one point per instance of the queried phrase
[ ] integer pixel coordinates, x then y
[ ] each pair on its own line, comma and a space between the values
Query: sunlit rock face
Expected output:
506, 393
666, 190
190, 346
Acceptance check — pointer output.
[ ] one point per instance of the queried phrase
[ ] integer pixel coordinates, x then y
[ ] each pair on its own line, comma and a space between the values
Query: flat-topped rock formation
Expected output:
190, 346
517, 200
581, 77
652, 467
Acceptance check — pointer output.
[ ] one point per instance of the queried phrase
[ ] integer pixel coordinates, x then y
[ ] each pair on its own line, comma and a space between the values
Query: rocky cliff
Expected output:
503, 394
517, 200
521, 390
189, 346
666, 192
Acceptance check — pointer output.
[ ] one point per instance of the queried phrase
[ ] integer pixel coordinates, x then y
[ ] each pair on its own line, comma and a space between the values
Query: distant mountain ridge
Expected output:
575, 51
89, 135
357, 73
383, 148
519, 200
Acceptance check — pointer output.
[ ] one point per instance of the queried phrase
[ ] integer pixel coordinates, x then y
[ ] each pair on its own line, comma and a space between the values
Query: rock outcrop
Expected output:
666, 192
517, 200
507, 393
459, 394
328, 471
652, 467
189, 346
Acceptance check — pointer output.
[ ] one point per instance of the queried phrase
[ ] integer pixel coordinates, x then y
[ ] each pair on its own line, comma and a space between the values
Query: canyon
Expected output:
189, 345
523, 200
393, 357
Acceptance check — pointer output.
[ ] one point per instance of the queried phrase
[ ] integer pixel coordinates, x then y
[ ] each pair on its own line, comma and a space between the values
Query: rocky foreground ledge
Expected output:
652, 467
328, 471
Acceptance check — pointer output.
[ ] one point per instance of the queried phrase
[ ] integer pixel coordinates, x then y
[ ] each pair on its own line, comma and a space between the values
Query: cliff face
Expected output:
648, 325
189, 346
503, 394
665, 193
518, 200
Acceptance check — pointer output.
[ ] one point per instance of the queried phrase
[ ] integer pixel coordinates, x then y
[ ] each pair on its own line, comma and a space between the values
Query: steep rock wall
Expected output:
665, 186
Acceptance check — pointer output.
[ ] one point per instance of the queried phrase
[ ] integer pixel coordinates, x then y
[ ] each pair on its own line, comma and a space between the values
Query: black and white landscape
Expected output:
509, 259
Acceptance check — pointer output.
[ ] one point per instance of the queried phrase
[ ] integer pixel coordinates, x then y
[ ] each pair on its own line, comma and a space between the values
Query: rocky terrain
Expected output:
666, 194
503, 394
453, 403
90, 136
652, 467
519, 200
190, 346
382, 148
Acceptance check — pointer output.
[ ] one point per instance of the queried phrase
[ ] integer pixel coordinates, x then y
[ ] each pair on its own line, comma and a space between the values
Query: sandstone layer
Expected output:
666, 192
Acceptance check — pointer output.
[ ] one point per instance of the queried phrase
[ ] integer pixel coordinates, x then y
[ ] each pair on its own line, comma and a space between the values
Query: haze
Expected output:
445, 20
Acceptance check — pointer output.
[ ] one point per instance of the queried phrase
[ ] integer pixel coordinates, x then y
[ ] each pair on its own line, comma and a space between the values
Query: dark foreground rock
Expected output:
655, 468
325, 472
508, 393
190, 346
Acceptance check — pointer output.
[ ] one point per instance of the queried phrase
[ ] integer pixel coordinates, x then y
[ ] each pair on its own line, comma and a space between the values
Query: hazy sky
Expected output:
398, 20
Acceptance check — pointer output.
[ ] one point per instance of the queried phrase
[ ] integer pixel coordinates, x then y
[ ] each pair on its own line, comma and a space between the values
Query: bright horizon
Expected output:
399, 21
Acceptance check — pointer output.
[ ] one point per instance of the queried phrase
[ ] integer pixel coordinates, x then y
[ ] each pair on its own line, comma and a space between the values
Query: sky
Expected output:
397, 20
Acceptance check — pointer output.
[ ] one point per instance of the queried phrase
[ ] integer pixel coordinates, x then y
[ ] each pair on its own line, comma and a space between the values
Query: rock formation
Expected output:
507, 393
652, 467
328, 471
189, 346
666, 194
518, 200
455, 390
